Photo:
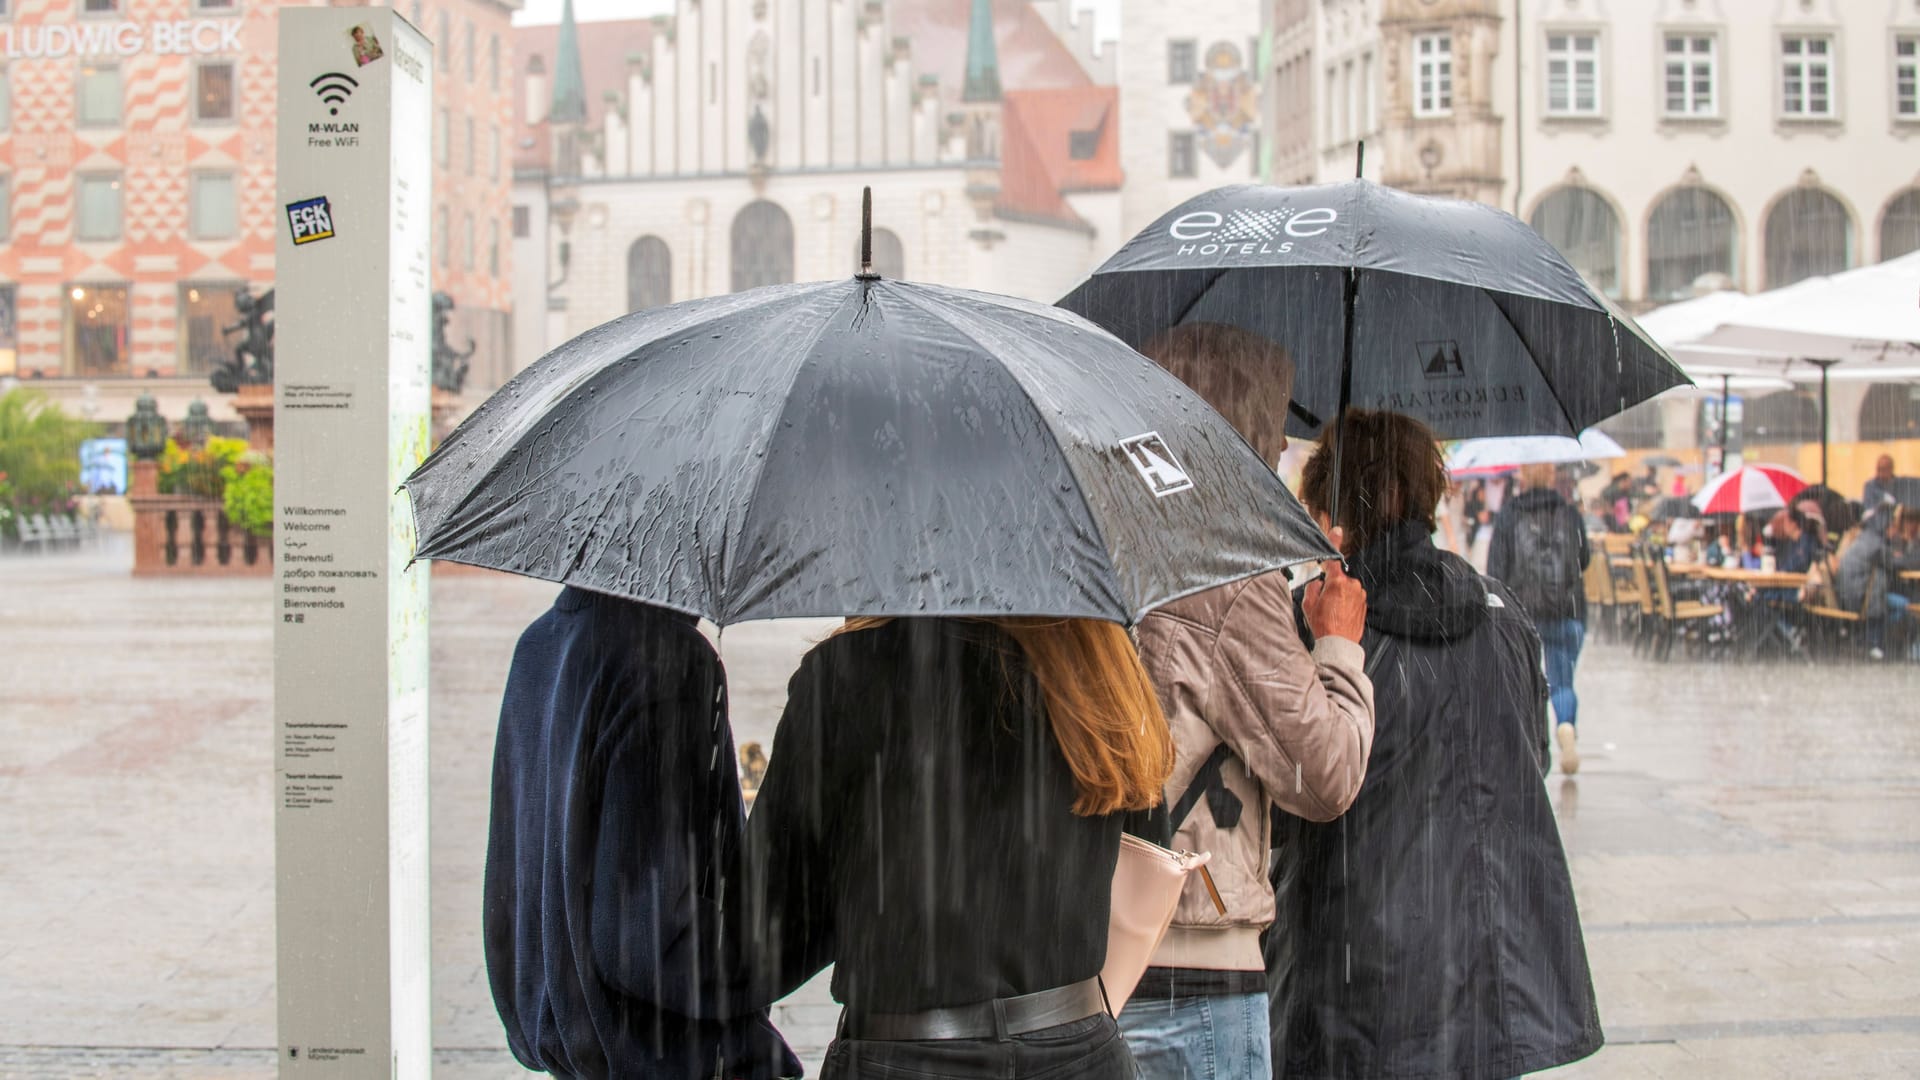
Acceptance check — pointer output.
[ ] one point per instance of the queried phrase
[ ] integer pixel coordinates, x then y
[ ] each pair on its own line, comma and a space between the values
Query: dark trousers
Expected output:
1090, 1049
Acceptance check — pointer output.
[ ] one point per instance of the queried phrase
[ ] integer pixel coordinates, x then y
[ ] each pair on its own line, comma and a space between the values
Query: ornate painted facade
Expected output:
137, 186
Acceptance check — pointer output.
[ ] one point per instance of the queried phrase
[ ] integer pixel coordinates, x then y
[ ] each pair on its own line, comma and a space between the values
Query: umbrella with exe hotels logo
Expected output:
1451, 312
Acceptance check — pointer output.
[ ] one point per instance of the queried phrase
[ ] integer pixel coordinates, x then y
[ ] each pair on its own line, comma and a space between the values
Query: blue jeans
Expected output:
1220, 1037
1897, 609
1561, 639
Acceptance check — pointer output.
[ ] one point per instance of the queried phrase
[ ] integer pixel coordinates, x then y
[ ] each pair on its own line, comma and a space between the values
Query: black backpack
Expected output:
1544, 574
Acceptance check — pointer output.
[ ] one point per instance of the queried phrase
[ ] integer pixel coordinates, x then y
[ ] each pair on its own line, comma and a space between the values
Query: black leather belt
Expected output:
999, 1018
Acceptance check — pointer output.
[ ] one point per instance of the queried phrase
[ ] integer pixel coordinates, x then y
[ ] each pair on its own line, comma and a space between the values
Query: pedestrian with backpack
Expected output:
1540, 553
1258, 719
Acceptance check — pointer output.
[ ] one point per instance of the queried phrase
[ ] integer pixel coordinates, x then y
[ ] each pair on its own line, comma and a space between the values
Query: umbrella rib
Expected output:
1218, 276
952, 318
1553, 392
520, 438
766, 458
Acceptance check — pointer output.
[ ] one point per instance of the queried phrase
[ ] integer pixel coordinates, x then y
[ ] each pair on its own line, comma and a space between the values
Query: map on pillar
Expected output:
1224, 104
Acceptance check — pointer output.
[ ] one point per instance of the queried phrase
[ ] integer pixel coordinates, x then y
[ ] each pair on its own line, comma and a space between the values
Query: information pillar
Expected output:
351, 396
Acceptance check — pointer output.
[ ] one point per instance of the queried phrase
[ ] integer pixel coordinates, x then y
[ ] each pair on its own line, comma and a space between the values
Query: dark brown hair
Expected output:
1245, 377
1390, 471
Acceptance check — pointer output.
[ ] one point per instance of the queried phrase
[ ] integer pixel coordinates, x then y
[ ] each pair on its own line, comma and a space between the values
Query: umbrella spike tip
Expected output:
866, 235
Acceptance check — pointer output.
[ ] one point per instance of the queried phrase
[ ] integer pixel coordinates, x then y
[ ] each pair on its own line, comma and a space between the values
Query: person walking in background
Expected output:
1431, 930
1257, 720
615, 814
940, 821
1540, 553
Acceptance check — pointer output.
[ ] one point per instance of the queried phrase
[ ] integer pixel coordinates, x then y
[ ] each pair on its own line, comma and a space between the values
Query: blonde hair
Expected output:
1100, 703
1245, 377
1539, 477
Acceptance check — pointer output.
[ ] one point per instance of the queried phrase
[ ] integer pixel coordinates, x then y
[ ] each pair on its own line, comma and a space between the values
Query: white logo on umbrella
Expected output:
1156, 464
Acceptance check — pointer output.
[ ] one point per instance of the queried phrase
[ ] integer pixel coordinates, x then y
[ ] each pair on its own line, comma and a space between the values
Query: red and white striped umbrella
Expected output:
1755, 487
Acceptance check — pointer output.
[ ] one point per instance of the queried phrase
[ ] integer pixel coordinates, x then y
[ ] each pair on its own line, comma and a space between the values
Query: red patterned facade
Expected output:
137, 187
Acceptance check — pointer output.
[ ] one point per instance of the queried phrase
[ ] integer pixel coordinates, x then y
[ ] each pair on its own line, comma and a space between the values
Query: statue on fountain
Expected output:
252, 360
449, 364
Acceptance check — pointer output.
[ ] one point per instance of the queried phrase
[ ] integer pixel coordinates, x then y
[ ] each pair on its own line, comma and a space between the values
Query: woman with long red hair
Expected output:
940, 821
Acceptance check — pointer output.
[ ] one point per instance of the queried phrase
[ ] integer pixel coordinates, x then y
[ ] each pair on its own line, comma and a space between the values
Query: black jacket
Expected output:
914, 828
1431, 930
615, 809
1504, 554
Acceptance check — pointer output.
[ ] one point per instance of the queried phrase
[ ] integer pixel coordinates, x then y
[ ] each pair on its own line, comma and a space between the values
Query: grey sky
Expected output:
1106, 12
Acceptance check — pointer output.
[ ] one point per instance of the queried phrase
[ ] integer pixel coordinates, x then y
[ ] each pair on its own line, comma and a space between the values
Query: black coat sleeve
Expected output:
788, 929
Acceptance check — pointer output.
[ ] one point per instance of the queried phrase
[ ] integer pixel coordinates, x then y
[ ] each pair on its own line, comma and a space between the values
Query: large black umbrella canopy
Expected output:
1461, 316
861, 447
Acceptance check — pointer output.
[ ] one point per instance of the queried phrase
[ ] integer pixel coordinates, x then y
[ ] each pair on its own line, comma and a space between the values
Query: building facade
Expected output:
137, 188
1666, 147
1191, 100
726, 146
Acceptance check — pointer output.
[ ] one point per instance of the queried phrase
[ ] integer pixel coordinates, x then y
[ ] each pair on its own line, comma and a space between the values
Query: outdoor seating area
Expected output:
43, 533
1641, 595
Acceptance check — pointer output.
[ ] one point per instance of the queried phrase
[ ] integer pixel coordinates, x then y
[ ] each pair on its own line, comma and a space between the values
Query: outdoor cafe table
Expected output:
1767, 629
1759, 579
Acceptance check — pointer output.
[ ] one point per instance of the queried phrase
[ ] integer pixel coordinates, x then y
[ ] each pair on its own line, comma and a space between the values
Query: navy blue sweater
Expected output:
615, 804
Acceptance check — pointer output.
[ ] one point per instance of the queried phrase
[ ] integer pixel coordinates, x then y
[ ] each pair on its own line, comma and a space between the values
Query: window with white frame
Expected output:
1806, 75
1432, 74
97, 101
97, 206
1573, 74
1692, 75
6, 206
1906, 77
213, 208
442, 153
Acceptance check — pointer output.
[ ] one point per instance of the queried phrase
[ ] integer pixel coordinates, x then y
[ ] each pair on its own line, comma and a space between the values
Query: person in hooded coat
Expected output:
1431, 930
616, 812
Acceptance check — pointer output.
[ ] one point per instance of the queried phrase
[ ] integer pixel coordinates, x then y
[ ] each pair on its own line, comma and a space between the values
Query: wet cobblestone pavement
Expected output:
1745, 840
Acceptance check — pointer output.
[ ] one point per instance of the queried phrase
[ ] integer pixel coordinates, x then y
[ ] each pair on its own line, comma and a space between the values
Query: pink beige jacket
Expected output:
1230, 667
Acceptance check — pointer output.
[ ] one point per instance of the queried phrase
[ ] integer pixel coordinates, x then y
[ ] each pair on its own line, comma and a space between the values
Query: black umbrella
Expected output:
1673, 508
859, 447
1448, 311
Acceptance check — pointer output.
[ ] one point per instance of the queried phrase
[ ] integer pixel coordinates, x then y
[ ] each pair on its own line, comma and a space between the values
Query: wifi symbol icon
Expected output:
334, 88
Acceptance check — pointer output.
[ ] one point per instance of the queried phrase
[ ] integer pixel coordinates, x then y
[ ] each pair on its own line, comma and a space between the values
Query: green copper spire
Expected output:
983, 57
569, 87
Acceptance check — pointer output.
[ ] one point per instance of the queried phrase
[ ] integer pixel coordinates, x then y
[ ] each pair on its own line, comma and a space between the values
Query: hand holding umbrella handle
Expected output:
1336, 604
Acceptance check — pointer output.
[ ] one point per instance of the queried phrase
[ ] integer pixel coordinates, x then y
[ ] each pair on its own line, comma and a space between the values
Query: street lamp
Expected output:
146, 429
195, 428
